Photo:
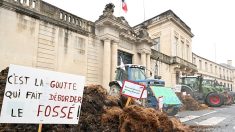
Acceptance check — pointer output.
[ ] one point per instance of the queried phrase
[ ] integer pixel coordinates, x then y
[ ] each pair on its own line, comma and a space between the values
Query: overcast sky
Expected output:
211, 21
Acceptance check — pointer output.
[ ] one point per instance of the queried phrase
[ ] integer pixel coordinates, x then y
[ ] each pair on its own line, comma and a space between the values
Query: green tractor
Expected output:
137, 73
205, 91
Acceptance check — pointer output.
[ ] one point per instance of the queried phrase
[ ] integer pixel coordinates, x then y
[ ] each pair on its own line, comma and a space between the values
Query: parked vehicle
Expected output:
205, 90
137, 73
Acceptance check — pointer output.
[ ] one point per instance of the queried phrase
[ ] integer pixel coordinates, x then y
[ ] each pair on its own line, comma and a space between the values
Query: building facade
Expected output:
223, 73
40, 35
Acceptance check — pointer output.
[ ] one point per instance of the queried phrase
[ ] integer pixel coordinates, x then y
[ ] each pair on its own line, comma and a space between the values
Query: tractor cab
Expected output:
194, 83
130, 72
136, 73
202, 89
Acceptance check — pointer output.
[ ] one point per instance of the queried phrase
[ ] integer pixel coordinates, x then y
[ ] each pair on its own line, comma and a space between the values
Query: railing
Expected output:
49, 11
177, 60
160, 56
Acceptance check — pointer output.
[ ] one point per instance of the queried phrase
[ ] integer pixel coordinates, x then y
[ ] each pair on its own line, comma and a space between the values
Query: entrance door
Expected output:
126, 57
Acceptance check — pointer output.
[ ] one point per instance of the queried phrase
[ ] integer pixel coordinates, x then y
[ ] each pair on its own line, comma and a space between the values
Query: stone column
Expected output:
143, 58
114, 59
148, 64
106, 63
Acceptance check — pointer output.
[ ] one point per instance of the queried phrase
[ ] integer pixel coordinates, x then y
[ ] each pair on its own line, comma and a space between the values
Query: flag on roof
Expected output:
124, 6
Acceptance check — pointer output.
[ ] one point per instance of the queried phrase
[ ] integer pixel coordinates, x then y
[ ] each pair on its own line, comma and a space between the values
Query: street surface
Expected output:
221, 119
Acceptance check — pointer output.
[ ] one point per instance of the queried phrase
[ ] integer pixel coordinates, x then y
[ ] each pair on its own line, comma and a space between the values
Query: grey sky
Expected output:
211, 21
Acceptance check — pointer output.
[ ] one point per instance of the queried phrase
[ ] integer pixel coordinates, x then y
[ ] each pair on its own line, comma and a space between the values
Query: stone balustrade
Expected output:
47, 12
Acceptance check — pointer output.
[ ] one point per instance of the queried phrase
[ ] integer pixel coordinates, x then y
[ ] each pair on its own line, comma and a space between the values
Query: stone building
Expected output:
223, 73
37, 34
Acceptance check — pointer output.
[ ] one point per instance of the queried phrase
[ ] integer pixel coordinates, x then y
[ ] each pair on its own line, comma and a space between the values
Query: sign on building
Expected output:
39, 96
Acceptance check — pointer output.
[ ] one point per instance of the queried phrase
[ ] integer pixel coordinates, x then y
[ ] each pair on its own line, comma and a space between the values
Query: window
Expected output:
187, 52
156, 45
216, 70
211, 68
200, 64
223, 74
34, 4
79, 44
65, 17
182, 49
194, 60
27, 2
175, 52
61, 15
206, 68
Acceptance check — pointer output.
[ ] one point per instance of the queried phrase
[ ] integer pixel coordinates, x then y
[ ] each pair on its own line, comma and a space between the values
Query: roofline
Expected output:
168, 13
231, 68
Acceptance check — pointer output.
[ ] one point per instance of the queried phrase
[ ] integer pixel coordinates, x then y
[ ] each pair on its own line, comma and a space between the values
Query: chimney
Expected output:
229, 62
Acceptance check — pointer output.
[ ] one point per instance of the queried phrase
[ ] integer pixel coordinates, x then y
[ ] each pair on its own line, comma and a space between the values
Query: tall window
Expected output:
206, 68
182, 49
216, 70
175, 47
194, 60
156, 45
187, 52
200, 64
223, 74
220, 75
211, 68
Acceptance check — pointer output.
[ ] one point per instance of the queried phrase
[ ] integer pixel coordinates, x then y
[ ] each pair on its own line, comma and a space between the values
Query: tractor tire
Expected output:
214, 100
228, 99
171, 110
114, 90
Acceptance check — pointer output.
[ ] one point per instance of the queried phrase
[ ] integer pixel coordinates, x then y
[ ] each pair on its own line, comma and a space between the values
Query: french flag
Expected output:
124, 6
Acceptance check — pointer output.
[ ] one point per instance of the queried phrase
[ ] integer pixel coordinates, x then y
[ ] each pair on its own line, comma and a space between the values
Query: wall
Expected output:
29, 41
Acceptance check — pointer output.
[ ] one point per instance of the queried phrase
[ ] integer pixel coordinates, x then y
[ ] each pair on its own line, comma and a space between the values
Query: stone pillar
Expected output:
106, 63
143, 59
148, 66
114, 59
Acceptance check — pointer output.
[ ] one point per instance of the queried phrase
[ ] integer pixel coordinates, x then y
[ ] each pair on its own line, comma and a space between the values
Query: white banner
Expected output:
41, 96
132, 89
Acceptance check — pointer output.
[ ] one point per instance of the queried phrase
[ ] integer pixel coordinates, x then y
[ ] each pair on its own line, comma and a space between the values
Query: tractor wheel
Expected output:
214, 100
228, 99
114, 90
171, 110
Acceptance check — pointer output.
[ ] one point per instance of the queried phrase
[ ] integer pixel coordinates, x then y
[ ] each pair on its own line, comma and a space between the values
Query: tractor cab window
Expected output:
208, 83
121, 74
137, 73
191, 82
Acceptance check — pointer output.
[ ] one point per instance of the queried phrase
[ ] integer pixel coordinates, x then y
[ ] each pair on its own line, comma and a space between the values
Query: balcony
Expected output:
172, 60
160, 56
183, 63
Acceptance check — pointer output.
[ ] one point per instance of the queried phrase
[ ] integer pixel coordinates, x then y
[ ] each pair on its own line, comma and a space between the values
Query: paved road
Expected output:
220, 119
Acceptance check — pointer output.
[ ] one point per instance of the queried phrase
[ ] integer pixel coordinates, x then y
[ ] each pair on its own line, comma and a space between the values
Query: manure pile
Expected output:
103, 113
189, 103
